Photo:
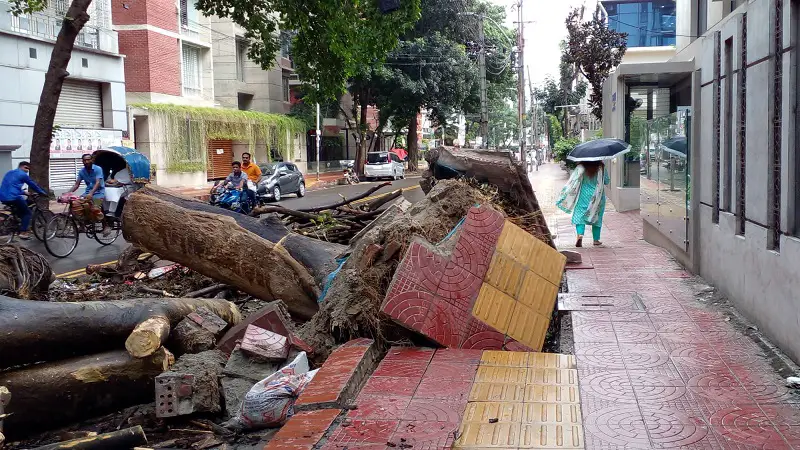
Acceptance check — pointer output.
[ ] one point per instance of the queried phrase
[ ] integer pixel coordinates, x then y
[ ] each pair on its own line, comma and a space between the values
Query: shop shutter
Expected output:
80, 105
63, 173
219, 163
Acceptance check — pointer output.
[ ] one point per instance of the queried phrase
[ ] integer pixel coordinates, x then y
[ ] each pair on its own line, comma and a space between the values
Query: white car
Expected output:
384, 165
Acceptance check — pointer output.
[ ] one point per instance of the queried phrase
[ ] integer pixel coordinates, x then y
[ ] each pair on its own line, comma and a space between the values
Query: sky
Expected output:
544, 29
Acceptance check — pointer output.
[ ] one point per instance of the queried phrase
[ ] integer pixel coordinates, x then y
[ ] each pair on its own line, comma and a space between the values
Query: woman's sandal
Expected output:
597, 243
579, 242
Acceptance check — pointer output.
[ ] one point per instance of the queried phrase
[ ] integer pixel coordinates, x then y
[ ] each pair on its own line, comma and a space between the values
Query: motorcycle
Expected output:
228, 197
350, 176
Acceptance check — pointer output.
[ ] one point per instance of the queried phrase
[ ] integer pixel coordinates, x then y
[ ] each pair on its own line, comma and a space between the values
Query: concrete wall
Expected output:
761, 282
23, 77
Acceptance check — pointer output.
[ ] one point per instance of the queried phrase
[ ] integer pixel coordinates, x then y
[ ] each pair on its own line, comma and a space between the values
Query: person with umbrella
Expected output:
584, 194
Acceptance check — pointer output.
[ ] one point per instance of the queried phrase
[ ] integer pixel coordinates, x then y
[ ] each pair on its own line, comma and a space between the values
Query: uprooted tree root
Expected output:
24, 273
352, 306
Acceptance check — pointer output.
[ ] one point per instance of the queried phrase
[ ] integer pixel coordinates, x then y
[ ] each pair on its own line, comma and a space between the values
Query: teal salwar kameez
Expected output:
585, 200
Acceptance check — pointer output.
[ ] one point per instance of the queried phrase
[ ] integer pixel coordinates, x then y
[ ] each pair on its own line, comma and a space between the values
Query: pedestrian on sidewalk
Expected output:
584, 196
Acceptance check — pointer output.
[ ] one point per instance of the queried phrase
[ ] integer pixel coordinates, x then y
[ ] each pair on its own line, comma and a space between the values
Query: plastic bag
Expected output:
270, 402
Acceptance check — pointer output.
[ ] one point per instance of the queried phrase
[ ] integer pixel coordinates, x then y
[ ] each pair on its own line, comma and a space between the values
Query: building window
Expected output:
241, 57
245, 101
647, 23
741, 205
286, 90
727, 175
775, 157
191, 71
188, 13
702, 17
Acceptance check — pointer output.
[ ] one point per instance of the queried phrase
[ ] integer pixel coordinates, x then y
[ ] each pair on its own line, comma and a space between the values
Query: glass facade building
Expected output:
647, 23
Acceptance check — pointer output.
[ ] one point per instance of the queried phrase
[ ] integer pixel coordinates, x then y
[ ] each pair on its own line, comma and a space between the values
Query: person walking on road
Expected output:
584, 197
11, 194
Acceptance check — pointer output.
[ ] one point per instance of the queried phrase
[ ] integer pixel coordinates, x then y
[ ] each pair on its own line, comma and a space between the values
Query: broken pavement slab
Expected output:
265, 344
208, 320
191, 385
495, 289
341, 376
275, 318
304, 430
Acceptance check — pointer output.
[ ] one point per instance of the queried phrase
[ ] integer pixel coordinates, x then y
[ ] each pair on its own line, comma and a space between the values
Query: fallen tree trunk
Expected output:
497, 169
48, 331
115, 440
260, 257
52, 394
23, 272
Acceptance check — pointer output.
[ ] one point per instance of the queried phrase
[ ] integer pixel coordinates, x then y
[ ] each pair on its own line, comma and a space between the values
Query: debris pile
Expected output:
300, 319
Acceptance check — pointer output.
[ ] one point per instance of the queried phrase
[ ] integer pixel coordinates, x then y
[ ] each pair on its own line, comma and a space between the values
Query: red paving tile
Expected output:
662, 371
337, 377
303, 430
402, 386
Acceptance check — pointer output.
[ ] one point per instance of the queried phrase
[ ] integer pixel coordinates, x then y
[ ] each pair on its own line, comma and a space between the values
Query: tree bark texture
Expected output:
413, 144
363, 129
58, 393
71, 26
260, 257
115, 440
49, 331
495, 168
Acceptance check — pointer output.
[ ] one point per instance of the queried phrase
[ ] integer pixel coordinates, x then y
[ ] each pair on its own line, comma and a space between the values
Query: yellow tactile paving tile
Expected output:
489, 435
537, 393
528, 327
483, 412
494, 307
552, 377
507, 359
497, 392
505, 274
548, 360
531, 252
551, 436
538, 293
550, 413
499, 374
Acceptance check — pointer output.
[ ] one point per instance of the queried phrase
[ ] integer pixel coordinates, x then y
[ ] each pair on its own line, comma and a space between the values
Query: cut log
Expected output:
148, 336
497, 169
52, 394
116, 440
259, 257
189, 337
48, 331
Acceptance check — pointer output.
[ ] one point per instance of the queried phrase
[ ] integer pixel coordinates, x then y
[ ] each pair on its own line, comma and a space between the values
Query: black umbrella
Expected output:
599, 150
677, 146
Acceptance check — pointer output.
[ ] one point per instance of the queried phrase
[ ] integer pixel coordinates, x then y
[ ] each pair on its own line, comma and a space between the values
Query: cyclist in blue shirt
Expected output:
11, 194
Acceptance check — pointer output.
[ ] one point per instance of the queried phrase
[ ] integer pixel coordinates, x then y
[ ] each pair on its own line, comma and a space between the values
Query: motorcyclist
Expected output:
11, 194
253, 174
237, 178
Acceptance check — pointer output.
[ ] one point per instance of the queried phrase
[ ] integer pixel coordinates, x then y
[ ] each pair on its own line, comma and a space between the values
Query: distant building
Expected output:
91, 109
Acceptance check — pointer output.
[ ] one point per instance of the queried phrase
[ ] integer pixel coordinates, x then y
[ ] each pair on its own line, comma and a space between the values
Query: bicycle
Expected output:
63, 230
10, 222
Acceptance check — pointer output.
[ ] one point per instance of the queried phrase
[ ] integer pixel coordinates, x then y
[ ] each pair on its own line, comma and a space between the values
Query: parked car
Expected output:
279, 179
384, 165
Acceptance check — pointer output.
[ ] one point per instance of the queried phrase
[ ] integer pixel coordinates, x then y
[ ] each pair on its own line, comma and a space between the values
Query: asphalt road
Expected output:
90, 252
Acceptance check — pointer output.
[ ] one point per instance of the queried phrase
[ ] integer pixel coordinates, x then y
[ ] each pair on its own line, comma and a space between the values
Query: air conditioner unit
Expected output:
388, 6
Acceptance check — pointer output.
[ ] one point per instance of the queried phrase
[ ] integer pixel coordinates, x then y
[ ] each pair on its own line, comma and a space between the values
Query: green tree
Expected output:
332, 41
567, 90
594, 49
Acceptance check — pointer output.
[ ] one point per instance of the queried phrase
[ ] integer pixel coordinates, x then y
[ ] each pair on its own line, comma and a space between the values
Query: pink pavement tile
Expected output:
451, 371
439, 411
400, 368
425, 435
409, 354
407, 302
472, 255
434, 389
459, 288
477, 335
264, 343
422, 265
444, 323
379, 407
457, 355
358, 432
395, 386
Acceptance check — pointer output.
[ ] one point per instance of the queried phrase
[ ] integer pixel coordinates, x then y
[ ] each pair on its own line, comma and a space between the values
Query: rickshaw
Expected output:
63, 229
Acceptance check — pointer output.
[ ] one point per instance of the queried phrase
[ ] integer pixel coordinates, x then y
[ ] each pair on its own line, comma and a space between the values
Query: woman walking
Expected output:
584, 196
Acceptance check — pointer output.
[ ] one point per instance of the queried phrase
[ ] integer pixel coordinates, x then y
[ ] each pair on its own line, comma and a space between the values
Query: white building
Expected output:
729, 208
91, 110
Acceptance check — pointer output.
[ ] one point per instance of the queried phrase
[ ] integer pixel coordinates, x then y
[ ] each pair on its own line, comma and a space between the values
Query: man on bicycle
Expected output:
11, 194
92, 176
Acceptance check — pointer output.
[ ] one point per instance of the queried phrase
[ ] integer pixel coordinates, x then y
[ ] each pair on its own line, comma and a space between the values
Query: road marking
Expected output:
78, 272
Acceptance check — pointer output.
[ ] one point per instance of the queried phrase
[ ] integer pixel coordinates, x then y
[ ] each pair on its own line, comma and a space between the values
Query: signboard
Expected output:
72, 143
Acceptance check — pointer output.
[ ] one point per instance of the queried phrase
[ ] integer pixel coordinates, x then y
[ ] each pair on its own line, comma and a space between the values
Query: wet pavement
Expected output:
658, 365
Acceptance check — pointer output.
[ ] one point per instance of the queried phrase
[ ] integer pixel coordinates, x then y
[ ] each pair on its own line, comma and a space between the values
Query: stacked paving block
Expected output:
341, 377
496, 289
303, 431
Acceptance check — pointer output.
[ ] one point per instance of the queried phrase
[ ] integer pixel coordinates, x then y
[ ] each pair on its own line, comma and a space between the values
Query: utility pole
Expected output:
521, 84
535, 108
484, 125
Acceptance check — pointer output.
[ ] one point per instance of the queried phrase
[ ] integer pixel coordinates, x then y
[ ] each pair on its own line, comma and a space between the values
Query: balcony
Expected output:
46, 26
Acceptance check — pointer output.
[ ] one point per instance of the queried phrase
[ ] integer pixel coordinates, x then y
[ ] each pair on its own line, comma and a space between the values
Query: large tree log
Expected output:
115, 440
46, 331
52, 394
260, 257
495, 168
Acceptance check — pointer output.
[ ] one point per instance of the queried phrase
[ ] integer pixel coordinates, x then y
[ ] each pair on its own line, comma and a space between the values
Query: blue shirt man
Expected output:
11, 194
92, 176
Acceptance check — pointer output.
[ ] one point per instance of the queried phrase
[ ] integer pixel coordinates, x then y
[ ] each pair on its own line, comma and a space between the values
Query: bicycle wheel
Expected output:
40, 223
8, 228
62, 235
109, 234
